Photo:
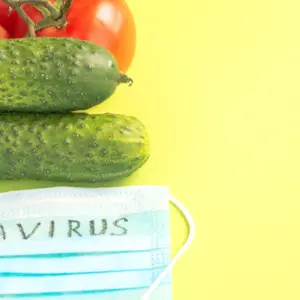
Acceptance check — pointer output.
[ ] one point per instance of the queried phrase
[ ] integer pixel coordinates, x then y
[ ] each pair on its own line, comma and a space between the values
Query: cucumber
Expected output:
48, 74
71, 147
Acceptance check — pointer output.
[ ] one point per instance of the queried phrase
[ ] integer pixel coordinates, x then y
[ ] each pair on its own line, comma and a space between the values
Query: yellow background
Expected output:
217, 85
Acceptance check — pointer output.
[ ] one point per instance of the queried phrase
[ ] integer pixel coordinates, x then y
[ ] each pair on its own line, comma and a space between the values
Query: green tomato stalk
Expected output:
54, 14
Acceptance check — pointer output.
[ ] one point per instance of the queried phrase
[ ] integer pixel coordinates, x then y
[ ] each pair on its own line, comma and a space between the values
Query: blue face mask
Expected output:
80, 243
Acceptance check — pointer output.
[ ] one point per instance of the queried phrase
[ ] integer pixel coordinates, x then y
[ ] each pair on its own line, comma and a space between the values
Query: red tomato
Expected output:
5, 21
108, 23
3, 33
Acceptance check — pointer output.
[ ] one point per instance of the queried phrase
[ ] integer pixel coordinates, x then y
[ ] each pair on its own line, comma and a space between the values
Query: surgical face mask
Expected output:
85, 244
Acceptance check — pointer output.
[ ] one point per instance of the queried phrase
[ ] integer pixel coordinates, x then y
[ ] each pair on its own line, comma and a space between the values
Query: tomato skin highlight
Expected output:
108, 23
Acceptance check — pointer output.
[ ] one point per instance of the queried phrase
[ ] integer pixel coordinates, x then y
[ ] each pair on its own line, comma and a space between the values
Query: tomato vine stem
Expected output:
55, 14
45, 3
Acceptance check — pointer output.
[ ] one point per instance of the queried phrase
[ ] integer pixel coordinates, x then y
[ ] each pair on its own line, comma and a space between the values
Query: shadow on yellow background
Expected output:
217, 86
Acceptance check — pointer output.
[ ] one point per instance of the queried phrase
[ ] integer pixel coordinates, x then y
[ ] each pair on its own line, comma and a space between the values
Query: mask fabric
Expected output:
86, 244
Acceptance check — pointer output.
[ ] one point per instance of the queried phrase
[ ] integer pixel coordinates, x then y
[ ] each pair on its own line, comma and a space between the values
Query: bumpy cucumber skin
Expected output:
48, 74
71, 147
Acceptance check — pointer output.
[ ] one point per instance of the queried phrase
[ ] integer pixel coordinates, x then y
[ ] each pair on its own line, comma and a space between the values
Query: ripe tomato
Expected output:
5, 21
108, 23
3, 33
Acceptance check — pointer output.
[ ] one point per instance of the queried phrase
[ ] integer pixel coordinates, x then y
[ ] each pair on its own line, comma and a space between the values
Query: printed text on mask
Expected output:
72, 229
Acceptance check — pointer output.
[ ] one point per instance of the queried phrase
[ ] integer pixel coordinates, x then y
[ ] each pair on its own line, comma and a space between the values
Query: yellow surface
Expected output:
217, 85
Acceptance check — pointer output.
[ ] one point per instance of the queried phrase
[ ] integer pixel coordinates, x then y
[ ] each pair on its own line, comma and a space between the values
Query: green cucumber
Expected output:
71, 147
48, 74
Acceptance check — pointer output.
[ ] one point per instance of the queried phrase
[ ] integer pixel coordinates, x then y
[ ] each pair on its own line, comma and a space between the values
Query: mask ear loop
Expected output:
187, 244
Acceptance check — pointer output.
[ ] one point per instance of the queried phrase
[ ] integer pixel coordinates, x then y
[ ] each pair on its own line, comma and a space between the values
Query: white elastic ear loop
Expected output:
187, 244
